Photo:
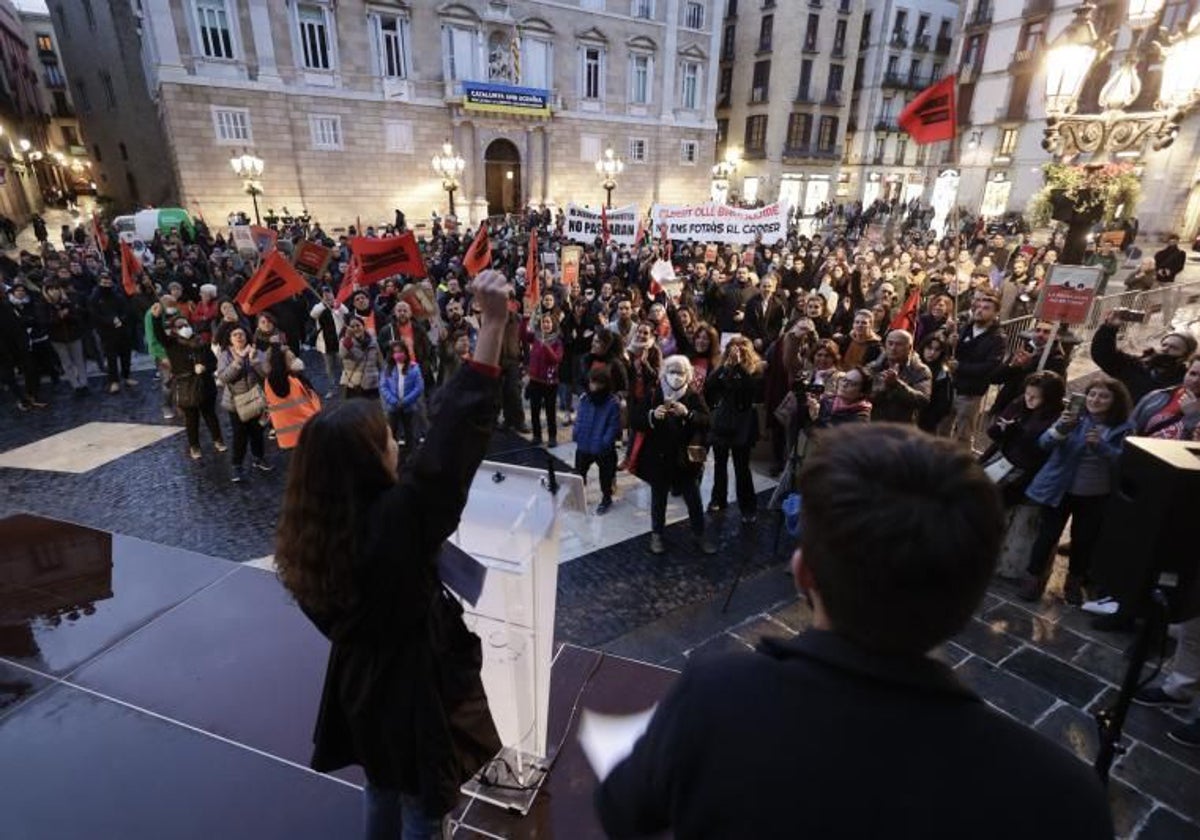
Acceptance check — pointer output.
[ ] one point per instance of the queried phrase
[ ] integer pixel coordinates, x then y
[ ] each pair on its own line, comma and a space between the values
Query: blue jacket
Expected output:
414, 387
597, 426
1054, 479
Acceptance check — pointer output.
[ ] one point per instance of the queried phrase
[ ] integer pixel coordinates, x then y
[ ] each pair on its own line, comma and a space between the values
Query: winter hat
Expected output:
208, 289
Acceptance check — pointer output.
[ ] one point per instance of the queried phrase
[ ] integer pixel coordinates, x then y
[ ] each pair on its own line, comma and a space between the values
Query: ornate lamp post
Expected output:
724, 169
1074, 53
449, 167
608, 167
249, 168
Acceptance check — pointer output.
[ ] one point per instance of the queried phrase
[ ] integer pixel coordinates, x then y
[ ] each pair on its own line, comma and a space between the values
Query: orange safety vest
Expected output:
289, 414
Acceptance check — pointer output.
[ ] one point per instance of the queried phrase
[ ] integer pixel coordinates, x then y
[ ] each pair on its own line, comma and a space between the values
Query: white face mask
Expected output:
677, 381
184, 332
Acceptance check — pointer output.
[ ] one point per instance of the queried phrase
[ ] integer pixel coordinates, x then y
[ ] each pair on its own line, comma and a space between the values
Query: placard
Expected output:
572, 255
710, 252
722, 223
1069, 292
585, 225
243, 239
311, 257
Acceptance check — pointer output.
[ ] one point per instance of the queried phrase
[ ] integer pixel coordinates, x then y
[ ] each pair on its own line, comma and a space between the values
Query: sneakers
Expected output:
114, 388
705, 546
239, 474
219, 445
194, 451
329, 394
1188, 735
262, 466
716, 507
657, 546
168, 414
604, 506
1155, 696
131, 383
1102, 606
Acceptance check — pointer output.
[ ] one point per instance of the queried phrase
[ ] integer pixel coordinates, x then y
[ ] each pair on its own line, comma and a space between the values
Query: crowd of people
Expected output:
775, 340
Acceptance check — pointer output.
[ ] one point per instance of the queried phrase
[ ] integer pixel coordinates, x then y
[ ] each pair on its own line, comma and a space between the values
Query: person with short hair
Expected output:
902, 383
1161, 367
979, 349
595, 434
898, 538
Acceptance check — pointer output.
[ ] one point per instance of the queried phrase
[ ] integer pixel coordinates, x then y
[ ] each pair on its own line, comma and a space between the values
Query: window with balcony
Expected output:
914, 72
756, 134
727, 41
892, 71
44, 42
922, 25
724, 87
804, 93
827, 134
212, 26
1033, 36
693, 15
640, 78
799, 134
643, 9
944, 41
936, 73
390, 42
839, 38
592, 73
1008, 142
54, 75
231, 126
722, 132
462, 54
766, 30
690, 88
922, 154
812, 32
901, 149
316, 46
537, 63
326, 132
833, 85
900, 28
972, 56
864, 36
759, 87
637, 149
877, 155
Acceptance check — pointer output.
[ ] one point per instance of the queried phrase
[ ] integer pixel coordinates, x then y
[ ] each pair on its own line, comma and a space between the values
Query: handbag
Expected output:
189, 390
1002, 471
785, 413
250, 404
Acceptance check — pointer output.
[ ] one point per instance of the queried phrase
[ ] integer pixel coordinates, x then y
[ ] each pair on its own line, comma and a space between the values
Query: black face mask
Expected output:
1161, 361
106, 290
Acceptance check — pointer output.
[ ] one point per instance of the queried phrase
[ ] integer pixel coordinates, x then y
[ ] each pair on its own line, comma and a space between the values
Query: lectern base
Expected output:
511, 781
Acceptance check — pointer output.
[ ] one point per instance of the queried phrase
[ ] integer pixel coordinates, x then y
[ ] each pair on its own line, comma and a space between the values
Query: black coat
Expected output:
980, 358
1139, 377
764, 325
104, 307
663, 458
403, 696
731, 394
816, 737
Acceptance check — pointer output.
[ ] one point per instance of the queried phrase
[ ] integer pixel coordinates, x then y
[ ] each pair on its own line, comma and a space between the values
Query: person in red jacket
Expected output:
545, 356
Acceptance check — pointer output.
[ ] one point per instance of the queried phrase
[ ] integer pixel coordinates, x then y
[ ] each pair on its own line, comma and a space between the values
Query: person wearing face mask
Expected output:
193, 384
402, 387
63, 316
242, 368
731, 391
595, 434
674, 422
110, 315
1161, 367
361, 361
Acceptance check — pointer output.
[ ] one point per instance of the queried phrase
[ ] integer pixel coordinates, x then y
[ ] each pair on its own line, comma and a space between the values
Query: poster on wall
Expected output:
585, 225
722, 223
995, 198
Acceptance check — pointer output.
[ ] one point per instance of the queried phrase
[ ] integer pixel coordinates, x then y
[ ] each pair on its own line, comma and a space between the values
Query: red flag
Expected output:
666, 242
130, 267
532, 285
604, 224
264, 238
98, 234
479, 255
380, 258
641, 232
931, 116
906, 318
420, 299
274, 281
352, 278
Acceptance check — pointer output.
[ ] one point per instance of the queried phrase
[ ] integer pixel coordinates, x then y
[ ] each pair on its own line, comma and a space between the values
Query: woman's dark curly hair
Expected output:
336, 474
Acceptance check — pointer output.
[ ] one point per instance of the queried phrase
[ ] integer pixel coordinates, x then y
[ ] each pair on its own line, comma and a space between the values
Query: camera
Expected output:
1131, 316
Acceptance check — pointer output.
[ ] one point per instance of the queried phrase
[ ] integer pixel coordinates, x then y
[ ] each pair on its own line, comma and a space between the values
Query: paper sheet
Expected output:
608, 739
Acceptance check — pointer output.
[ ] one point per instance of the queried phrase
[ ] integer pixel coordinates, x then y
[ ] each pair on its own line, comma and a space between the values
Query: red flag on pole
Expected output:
906, 318
479, 255
380, 258
276, 280
641, 232
352, 278
666, 242
129, 269
931, 116
604, 225
532, 285
98, 234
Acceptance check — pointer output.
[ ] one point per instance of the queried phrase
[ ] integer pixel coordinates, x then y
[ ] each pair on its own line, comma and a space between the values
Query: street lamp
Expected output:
608, 167
249, 168
723, 169
1070, 59
449, 168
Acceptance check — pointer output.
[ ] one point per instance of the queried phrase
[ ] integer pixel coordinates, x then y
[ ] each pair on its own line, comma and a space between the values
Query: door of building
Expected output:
502, 171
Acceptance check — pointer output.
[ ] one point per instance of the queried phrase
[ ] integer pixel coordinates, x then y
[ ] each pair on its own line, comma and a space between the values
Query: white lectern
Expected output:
510, 525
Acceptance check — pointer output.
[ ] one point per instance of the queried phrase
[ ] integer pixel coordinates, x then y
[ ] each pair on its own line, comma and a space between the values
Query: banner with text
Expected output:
722, 223
583, 224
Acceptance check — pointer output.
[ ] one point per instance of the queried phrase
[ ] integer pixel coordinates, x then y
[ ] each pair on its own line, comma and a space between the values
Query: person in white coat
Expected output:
330, 315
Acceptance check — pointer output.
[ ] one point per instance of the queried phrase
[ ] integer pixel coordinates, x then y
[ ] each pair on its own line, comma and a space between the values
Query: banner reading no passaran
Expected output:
506, 99
586, 226
721, 223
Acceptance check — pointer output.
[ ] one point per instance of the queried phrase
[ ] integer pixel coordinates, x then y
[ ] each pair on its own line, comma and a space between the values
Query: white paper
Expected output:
608, 739
662, 271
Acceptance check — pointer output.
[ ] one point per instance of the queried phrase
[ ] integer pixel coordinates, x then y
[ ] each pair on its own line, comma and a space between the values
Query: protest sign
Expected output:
584, 225
722, 223
571, 257
1069, 292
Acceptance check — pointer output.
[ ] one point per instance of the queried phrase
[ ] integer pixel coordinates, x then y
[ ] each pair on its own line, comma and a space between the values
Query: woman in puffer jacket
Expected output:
402, 386
361, 361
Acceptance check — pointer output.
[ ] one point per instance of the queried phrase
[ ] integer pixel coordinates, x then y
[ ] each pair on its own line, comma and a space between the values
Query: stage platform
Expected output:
152, 692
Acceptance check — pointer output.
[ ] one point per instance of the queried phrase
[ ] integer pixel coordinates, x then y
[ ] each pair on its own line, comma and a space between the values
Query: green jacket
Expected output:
153, 345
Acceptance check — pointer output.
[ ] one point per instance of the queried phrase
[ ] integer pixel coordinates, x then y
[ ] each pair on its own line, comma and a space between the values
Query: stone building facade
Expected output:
22, 128
347, 102
783, 96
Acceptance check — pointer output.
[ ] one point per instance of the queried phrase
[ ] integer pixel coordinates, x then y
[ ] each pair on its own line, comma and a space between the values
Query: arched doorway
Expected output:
502, 170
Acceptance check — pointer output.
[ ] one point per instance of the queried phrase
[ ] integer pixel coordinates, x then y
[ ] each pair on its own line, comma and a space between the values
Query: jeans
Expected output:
606, 461
541, 399
399, 418
744, 482
70, 356
1087, 515
691, 497
331, 364
392, 815
245, 431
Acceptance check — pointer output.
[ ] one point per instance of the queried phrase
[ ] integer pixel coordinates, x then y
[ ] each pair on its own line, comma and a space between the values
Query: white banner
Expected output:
584, 225
722, 223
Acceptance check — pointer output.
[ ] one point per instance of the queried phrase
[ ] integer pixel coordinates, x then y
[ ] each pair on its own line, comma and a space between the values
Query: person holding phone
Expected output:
1075, 483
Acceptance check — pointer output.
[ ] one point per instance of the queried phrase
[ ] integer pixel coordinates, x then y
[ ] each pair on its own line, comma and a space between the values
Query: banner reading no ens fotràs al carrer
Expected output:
722, 223
506, 99
586, 225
